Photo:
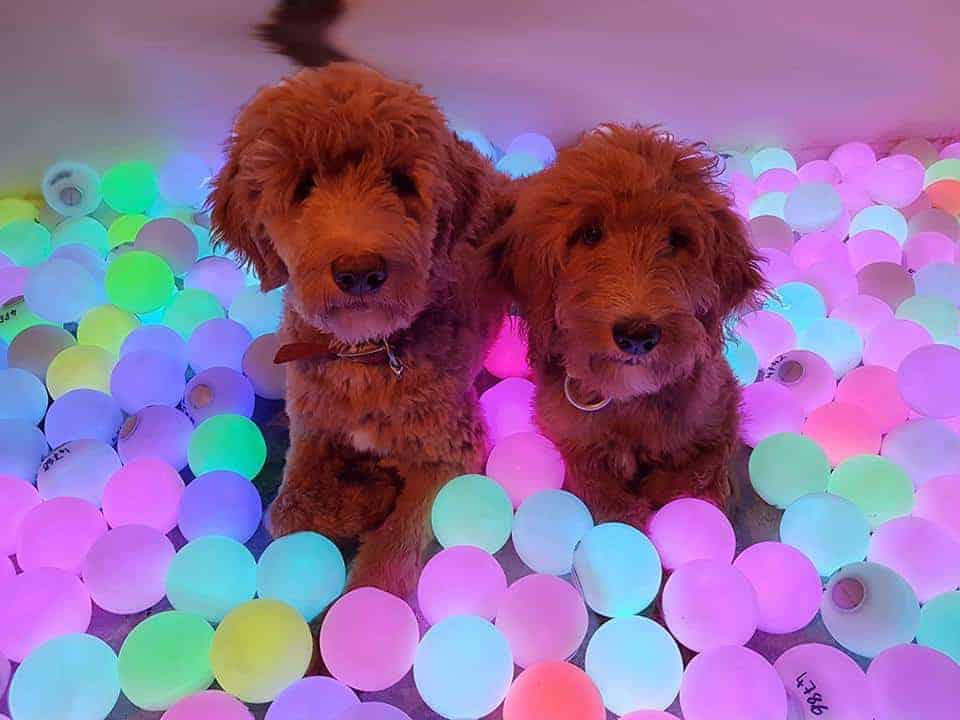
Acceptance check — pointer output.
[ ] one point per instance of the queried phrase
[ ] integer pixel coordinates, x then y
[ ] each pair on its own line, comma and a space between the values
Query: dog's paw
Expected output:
395, 571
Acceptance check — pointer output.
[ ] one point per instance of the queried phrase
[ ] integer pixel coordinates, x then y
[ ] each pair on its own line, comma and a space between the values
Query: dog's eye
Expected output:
403, 183
678, 241
588, 235
305, 186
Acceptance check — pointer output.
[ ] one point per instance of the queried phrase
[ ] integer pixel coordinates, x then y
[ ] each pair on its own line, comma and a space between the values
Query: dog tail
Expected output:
300, 30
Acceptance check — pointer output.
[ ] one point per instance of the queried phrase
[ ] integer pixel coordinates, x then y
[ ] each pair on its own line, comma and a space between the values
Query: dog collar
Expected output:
330, 349
585, 407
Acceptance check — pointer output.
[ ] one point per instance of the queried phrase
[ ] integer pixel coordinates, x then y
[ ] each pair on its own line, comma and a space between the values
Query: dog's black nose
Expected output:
636, 337
362, 274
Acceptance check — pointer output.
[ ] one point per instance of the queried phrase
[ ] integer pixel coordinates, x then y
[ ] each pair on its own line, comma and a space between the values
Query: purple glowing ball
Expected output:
218, 343
732, 683
768, 333
768, 408
927, 381
864, 312
220, 503
921, 552
873, 246
146, 377
157, 338
913, 681
17, 498
156, 431
889, 343
83, 414
787, 585
312, 698
218, 391
219, 276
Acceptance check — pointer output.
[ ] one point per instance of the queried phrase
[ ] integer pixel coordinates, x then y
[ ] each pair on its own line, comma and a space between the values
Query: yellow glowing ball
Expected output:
16, 209
124, 229
259, 649
106, 326
80, 366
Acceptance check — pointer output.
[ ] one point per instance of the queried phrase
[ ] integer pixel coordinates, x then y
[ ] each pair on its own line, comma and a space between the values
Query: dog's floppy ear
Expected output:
736, 266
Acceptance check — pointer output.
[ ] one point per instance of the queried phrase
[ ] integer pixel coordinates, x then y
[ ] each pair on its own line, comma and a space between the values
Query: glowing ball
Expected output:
742, 360
812, 206
926, 248
924, 554
40, 604
818, 246
776, 179
786, 583
304, 570
785, 467
12, 209
35, 348
939, 624
60, 290
769, 334
208, 704
822, 680
939, 280
126, 569
892, 341
507, 357
935, 220
732, 683
373, 711
555, 690
79, 366
771, 232
312, 698
896, 180
543, 618
156, 431
873, 246
22, 396
938, 500
874, 388
479, 141
86, 685
798, 302
218, 343
71, 189
868, 608
806, 375
834, 340
156, 338
776, 267
259, 312
946, 169
220, 503
546, 529
926, 380
22, 447
17, 498
534, 144
940, 317
690, 529
508, 408
129, 187
182, 179
853, 159
618, 569
81, 230
855, 197
768, 408
268, 379
166, 658
472, 510
461, 580
25, 242
463, 668
123, 231
14, 314
170, 239
880, 488
139, 282
819, 171
525, 463
835, 282
79, 468
58, 533
189, 309
830, 530
145, 491
945, 194
771, 203
635, 664
887, 281
520, 164
369, 637
106, 326
146, 377
210, 576
649, 715
772, 157
950, 151
218, 276
880, 217
912, 681
227, 442
925, 448
921, 204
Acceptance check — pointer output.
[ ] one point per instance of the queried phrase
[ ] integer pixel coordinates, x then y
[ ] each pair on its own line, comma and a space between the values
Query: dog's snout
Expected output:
362, 274
636, 337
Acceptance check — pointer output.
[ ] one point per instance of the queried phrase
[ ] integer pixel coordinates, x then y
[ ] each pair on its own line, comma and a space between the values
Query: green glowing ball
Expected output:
25, 242
940, 317
139, 281
130, 187
16, 209
80, 366
124, 229
165, 658
472, 510
787, 466
190, 308
106, 326
940, 624
227, 442
16, 317
880, 488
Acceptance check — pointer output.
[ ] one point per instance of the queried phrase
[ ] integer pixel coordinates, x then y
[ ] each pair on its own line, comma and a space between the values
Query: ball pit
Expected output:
461, 580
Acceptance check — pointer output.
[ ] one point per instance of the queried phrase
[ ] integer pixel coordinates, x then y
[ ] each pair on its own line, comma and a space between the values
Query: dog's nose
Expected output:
362, 274
636, 337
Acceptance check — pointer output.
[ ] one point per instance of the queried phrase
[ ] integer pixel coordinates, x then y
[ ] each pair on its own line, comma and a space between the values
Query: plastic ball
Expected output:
525, 463
312, 698
156, 338
106, 326
210, 576
864, 312
823, 681
892, 341
742, 359
218, 391
269, 380
836, 341
79, 468
771, 203
145, 491
207, 705
924, 554
463, 668
830, 530
543, 618
372, 711
507, 356
165, 659
508, 408
872, 246
925, 448
17, 498
896, 180
880, 488
842, 431
145, 377
772, 157
189, 309
855, 197
732, 683
139, 282
86, 683
768, 408
555, 690
478, 140
776, 180
520, 164
881, 217
126, 569
925, 380
939, 280
812, 206
22, 396
258, 312
535, 144
472, 510
618, 569
218, 343
785, 467
939, 317
887, 281
12, 209
786, 583
304, 570
853, 159
689, 529
806, 375
123, 231
15, 316
35, 348
156, 431
172, 240
921, 204
546, 529
130, 187
79, 366
218, 276
820, 246
22, 447
220, 503
799, 303
769, 334
935, 220
227, 442
25, 242
938, 500
461, 580
768, 231
927, 248
61, 290
835, 282
874, 388
368, 639
819, 171
635, 664
912, 681
182, 179
940, 624
58, 533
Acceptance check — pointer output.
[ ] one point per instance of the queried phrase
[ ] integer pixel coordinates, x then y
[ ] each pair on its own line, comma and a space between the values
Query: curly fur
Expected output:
341, 161
668, 250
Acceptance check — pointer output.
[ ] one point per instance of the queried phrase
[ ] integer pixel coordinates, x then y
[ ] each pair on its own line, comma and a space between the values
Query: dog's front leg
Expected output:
599, 477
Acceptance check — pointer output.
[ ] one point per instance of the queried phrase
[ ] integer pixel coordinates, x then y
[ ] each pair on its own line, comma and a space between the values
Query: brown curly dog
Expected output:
349, 188
625, 258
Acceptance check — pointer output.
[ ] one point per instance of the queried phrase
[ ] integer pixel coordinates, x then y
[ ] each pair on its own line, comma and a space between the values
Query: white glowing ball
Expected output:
880, 217
772, 157
258, 312
812, 206
547, 527
80, 469
71, 189
896, 180
61, 291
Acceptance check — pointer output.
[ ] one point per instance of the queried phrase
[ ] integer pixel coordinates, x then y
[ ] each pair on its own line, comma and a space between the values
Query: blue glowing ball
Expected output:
220, 502
801, 304
836, 341
83, 414
183, 180
546, 529
22, 396
772, 157
146, 377
218, 343
258, 312
520, 164
479, 141
742, 359
830, 530
210, 576
880, 217
939, 280
304, 570
533, 144
157, 338
22, 447
61, 291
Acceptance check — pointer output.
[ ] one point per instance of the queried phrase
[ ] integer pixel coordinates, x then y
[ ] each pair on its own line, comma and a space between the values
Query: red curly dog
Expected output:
349, 188
625, 258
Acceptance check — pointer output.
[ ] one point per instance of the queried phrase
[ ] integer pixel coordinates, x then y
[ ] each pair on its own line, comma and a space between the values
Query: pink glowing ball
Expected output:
145, 491
17, 498
368, 639
835, 281
6, 569
886, 280
925, 448
58, 533
890, 342
371, 711
767, 409
156, 431
708, 604
927, 381
768, 333
950, 151
208, 705
853, 159
508, 408
938, 500
649, 715
767, 231
461, 580
268, 379
744, 193
39, 605
935, 220
842, 431
507, 357
874, 388
125, 570
896, 180
873, 246
822, 681
819, 246
4, 675
854, 197
776, 180
525, 463
312, 698
927, 248
921, 204
690, 529
543, 618
732, 683
805, 375
909, 682
819, 171
921, 552
787, 585
777, 267
864, 312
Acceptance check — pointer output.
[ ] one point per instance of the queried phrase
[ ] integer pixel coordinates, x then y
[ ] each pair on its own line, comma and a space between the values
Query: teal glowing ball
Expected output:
883, 218
772, 157
258, 312
520, 164
546, 529
786, 466
771, 203
742, 359
836, 341
798, 302
25, 242
830, 530
210, 576
940, 624
81, 231
227, 442
304, 570
472, 510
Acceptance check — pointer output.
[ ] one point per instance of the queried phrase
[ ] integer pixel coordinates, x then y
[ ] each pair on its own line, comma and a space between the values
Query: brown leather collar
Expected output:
330, 349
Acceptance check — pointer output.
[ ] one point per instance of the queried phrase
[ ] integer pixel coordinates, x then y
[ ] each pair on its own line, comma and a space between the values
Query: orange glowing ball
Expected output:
555, 690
